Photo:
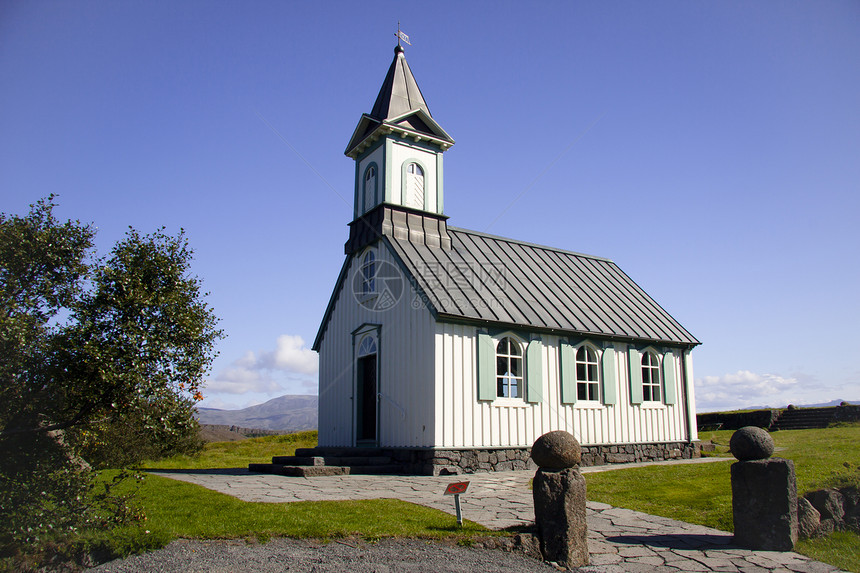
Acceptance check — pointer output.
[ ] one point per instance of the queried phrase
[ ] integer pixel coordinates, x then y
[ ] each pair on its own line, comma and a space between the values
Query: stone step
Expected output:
317, 471
299, 460
325, 452
331, 460
309, 471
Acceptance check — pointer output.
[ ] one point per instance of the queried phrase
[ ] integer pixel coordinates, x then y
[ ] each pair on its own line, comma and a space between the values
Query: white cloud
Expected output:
270, 372
744, 389
290, 355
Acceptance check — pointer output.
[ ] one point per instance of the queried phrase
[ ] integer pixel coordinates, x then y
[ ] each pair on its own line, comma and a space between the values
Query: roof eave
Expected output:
460, 319
386, 128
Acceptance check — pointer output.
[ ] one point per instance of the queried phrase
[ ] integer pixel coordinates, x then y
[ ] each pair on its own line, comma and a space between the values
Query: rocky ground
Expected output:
299, 555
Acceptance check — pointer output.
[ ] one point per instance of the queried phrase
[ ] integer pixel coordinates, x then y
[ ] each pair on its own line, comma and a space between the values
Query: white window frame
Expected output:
597, 382
648, 384
521, 379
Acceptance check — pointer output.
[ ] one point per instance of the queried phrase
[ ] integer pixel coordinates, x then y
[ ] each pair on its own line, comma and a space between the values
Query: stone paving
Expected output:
619, 540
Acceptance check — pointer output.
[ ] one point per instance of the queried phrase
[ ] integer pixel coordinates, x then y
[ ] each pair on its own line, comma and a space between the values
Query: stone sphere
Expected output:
556, 450
751, 443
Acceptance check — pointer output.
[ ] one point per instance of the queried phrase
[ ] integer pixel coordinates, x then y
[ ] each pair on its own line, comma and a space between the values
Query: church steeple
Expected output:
399, 93
398, 148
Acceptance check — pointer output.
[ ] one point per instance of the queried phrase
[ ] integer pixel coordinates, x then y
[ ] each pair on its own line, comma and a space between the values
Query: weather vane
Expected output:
401, 36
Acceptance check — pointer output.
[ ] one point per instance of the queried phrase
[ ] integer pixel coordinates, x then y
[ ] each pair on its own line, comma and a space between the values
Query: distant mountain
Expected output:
285, 413
784, 406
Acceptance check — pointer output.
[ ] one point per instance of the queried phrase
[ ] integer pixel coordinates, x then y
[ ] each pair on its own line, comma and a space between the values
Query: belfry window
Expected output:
650, 377
369, 188
414, 188
586, 374
509, 369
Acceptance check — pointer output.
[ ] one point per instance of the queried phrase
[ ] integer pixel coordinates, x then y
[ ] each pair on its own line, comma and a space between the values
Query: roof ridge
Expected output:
528, 244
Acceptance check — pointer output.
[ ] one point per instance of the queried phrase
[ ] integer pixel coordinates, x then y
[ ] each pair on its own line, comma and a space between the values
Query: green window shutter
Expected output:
486, 367
669, 377
568, 373
534, 372
610, 395
634, 364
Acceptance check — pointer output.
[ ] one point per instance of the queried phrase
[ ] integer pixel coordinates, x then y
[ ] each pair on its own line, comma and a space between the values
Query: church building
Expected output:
447, 350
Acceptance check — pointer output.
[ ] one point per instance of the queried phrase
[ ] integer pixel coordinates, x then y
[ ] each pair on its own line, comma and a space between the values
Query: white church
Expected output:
445, 350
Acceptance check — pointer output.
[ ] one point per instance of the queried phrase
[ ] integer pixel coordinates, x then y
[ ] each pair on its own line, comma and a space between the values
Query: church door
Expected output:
366, 393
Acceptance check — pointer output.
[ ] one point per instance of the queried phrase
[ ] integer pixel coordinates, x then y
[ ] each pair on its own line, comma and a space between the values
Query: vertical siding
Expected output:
405, 365
467, 422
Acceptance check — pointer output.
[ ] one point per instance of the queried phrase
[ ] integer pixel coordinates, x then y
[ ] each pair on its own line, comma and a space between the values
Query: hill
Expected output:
283, 414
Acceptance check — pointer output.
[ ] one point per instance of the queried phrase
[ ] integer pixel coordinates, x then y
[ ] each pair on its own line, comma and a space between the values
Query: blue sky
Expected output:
712, 150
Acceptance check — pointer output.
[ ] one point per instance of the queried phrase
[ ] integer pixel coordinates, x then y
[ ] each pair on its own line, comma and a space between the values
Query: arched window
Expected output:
414, 188
369, 188
650, 377
367, 346
368, 273
509, 369
586, 374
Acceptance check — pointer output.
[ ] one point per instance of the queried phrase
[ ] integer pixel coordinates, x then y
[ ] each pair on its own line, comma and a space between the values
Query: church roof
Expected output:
495, 280
476, 278
399, 93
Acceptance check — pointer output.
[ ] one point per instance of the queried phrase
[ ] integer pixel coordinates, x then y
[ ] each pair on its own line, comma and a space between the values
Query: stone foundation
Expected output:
452, 462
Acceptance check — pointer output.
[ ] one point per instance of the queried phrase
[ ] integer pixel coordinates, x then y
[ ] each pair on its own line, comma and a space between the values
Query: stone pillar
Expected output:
559, 497
764, 493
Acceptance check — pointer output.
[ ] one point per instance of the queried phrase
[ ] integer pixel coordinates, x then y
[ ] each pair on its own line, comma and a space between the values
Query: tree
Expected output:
103, 357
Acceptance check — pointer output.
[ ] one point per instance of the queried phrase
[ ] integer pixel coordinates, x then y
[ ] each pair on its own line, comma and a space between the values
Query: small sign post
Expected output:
456, 489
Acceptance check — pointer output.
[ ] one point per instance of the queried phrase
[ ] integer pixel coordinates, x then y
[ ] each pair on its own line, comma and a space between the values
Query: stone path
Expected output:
620, 540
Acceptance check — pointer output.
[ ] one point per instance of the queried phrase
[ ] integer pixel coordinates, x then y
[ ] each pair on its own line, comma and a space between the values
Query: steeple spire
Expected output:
399, 107
399, 93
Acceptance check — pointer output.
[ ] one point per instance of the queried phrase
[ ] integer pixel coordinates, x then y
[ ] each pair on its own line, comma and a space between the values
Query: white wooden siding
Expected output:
404, 363
466, 422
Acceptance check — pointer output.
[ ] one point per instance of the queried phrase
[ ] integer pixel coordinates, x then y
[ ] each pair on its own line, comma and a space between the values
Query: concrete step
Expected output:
260, 468
309, 471
325, 452
317, 471
331, 461
299, 461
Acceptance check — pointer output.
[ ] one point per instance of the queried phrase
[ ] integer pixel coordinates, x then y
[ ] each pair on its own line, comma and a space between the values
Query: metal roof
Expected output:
399, 93
489, 279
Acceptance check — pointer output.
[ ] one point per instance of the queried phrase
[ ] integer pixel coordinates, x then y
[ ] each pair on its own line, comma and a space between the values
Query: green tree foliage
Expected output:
101, 362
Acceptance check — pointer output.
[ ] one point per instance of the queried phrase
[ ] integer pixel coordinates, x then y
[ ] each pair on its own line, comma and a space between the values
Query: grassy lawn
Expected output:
178, 509
239, 454
702, 493
693, 493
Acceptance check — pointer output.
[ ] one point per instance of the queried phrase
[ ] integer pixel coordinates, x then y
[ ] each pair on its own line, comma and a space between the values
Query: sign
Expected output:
457, 488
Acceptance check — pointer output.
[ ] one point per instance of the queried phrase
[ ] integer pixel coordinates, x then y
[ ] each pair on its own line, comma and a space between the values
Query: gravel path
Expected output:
352, 555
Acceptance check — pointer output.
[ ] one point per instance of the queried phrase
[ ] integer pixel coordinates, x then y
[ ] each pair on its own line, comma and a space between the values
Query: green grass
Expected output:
238, 454
693, 493
702, 493
178, 509
840, 549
